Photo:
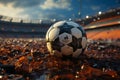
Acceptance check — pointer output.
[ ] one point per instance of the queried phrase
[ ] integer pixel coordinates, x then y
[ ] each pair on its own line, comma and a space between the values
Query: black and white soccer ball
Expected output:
66, 38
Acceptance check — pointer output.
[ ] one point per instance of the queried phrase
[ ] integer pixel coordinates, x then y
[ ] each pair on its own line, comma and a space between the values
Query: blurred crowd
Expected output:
29, 59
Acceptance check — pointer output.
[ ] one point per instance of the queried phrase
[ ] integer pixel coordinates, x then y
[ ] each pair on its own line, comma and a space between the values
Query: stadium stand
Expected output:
26, 28
23, 30
107, 27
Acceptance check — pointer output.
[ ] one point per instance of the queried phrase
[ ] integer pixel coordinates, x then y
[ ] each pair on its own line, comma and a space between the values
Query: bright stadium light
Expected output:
40, 21
99, 12
79, 13
94, 19
118, 13
54, 20
98, 18
70, 19
87, 16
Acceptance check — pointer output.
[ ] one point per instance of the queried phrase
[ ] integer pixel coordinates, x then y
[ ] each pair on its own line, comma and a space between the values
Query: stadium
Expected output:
106, 23
24, 56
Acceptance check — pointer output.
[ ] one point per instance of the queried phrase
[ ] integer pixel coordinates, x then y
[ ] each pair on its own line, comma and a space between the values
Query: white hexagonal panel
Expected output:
65, 38
66, 50
53, 34
47, 34
60, 23
84, 42
77, 53
76, 32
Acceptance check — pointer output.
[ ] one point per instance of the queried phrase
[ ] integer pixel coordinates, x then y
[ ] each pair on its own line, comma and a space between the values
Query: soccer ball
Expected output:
66, 38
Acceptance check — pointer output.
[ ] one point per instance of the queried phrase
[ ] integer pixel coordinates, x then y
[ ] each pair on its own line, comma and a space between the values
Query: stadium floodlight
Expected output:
70, 19
94, 19
54, 20
40, 21
118, 13
99, 12
98, 18
87, 16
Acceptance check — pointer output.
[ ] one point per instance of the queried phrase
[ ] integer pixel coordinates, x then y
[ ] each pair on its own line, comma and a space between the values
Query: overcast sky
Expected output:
54, 9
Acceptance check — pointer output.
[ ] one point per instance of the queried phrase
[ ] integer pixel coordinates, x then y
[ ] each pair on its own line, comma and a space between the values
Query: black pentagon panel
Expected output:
65, 28
76, 43
82, 51
66, 57
56, 45
81, 54
79, 43
83, 32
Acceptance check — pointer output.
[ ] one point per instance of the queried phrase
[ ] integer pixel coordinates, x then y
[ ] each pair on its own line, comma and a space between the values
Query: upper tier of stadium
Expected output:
16, 27
95, 18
